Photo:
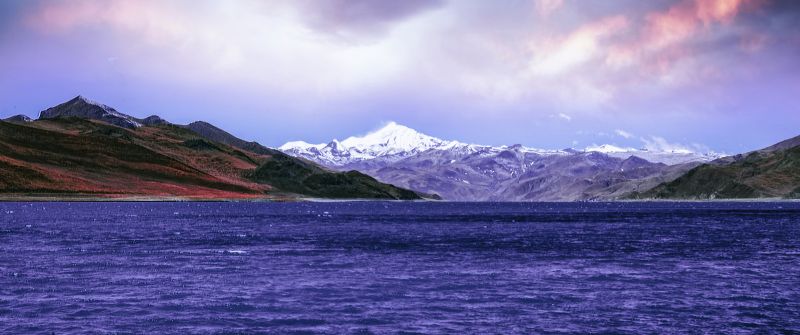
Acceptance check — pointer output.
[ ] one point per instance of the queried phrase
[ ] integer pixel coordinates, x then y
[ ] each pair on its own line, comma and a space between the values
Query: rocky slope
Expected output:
83, 148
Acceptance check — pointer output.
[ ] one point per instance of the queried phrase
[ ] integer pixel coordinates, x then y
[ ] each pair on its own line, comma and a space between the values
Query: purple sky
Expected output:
719, 75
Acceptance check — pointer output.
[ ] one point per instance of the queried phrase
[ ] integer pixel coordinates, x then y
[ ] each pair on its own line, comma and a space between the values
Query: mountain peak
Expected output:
394, 127
391, 129
85, 108
390, 134
392, 139
393, 142
85, 100
18, 119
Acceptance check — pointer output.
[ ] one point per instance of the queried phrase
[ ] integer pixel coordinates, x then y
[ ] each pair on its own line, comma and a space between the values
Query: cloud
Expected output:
360, 17
657, 143
258, 44
571, 66
753, 42
577, 48
565, 117
623, 133
546, 7
531, 58
327, 16
666, 34
152, 18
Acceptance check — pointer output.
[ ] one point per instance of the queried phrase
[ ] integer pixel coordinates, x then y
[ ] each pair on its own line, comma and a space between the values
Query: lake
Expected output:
399, 267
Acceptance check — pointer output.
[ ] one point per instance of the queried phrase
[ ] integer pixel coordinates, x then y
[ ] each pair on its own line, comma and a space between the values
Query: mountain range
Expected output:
82, 148
394, 142
459, 171
469, 172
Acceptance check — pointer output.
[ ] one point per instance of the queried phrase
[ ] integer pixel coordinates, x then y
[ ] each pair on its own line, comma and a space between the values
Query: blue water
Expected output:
373, 267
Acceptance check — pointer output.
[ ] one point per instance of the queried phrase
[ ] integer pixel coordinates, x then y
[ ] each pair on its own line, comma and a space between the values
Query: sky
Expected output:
707, 75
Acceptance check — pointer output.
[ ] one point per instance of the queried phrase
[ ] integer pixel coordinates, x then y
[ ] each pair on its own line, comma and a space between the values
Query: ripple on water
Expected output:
374, 267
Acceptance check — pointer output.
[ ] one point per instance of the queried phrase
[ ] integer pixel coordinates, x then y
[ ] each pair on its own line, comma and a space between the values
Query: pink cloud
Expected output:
55, 17
670, 27
683, 20
577, 48
156, 21
711, 11
665, 34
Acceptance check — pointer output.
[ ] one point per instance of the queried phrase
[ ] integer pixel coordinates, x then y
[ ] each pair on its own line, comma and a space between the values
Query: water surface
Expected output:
375, 267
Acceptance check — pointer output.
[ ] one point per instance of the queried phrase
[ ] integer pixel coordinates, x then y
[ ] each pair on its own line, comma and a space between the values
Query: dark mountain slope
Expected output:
783, 145
85, 148
773, 172
289, 174
73, 155
213, 133
87, 109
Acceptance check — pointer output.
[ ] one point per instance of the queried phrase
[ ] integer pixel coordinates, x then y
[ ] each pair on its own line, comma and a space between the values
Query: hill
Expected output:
84, 149
772, 172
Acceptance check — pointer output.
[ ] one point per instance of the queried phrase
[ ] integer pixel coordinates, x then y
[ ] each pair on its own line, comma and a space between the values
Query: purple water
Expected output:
373, 267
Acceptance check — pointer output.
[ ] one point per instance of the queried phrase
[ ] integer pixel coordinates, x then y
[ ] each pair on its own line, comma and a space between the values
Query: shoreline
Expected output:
126, 198
149, 198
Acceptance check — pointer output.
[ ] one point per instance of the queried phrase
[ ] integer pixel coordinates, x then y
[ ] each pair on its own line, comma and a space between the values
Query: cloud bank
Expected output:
478, 65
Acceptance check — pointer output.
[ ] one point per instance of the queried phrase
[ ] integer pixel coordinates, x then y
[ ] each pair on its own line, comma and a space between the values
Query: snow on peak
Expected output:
88, 101
393, 139
109, 111
82, 107
670, 157
297, 145
608, 148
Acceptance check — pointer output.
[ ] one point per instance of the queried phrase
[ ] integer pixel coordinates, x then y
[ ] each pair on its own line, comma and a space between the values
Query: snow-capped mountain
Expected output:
394, 142
459, 171
669, 157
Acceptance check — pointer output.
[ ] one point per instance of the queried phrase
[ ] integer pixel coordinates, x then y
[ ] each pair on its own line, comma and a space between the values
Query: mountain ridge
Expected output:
771, 172
395, 141
85, 148
471, 172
